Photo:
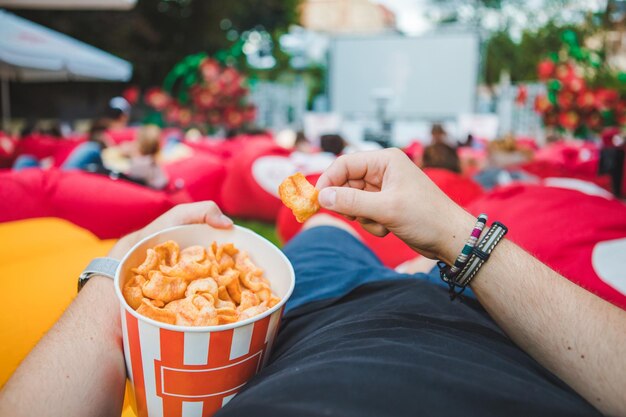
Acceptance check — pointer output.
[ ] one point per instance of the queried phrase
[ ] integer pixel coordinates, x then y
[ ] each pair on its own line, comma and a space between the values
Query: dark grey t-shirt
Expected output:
401, 348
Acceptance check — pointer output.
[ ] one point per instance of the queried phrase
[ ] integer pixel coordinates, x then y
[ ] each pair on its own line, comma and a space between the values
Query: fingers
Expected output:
206, 212
350, 201
201, 212
374, 228
357, 169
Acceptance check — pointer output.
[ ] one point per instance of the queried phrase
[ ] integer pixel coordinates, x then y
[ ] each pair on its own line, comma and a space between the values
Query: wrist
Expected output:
101, 304
454, 236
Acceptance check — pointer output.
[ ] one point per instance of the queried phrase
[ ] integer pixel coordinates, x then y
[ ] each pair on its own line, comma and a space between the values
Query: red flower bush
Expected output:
216, 97
578, 98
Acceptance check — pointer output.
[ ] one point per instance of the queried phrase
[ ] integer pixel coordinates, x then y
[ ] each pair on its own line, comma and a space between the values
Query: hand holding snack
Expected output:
300, 196
386, 192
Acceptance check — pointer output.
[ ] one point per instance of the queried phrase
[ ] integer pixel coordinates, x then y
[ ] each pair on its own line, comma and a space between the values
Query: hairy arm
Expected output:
573, 333
78, 367
570, 331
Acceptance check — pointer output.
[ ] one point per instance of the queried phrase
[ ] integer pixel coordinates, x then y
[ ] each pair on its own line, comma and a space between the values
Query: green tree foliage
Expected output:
501, 55
520, 59
155, 35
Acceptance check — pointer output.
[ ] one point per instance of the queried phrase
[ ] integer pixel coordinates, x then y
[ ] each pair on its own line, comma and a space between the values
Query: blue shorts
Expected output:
330, 262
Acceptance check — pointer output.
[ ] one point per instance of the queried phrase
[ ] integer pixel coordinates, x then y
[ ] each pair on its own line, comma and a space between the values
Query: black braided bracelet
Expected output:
480, 254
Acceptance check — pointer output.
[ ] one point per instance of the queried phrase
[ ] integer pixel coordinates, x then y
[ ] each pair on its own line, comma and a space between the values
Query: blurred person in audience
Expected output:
118, 113
333, 143
438, 134
29, 127
144, 167
86, 156
54, 130
302, 144
469, 142
612, 156
503, 156
440, 155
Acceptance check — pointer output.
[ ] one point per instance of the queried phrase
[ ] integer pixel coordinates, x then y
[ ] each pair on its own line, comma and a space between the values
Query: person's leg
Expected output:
85, 154
25, 161
330, 261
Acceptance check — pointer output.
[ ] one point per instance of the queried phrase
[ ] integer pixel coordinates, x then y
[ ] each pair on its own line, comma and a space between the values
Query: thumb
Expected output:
349, 201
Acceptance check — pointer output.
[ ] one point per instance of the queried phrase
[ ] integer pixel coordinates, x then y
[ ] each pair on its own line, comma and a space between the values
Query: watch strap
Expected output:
106, 267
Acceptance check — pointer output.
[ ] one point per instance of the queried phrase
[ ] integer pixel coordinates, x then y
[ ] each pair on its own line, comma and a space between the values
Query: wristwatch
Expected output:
98, 266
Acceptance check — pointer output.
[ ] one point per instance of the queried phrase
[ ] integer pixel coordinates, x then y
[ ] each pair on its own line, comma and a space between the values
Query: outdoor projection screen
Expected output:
427, 77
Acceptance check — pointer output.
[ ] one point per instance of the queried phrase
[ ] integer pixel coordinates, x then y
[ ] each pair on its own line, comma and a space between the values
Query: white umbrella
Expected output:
69, 4
31, 52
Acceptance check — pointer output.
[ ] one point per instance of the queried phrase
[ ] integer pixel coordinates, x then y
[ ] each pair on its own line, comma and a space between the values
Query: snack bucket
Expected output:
194, 371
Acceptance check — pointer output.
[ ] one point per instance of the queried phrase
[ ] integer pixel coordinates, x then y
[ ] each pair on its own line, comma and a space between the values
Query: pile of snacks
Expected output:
198, 286
300, 196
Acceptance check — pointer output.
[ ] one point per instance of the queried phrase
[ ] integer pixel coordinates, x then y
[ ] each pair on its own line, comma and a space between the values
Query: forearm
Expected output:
576, 335
78, 366
573, 333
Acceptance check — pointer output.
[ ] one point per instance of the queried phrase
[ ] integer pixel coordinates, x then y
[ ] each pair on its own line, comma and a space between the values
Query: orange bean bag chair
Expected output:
40, 260
47, 255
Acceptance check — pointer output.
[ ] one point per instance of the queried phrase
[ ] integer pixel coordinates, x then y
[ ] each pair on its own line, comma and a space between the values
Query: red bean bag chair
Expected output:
414, 150
472, 160
581, 236
548, 169
579, 158
201, 175
108, 208
528, 143
245, 194
227, 148
44, 146
461, 189
23, 195
124, 134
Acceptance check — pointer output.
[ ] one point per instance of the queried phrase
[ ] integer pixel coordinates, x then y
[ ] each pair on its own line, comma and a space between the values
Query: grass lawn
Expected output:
267, 230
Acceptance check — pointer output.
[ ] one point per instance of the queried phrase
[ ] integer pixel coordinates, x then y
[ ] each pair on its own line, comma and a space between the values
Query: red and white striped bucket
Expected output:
194, 371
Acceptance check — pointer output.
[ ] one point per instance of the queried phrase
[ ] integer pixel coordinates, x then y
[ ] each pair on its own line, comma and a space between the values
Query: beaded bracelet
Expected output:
478, 257
461, 260
481, 254
452, 271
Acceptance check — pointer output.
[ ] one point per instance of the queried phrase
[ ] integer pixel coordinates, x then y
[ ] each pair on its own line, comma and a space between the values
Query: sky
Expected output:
412, 16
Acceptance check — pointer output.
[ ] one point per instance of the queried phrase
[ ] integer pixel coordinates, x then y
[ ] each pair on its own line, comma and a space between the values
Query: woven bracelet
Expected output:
463, 257
481, 253
448, 273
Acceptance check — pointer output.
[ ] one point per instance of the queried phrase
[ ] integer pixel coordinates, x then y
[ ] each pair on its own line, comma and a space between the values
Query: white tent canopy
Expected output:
70, 4
31, 52
28, 50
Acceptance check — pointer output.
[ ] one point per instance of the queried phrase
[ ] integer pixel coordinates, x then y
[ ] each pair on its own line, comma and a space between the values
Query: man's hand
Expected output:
538, 309
386, 192
201, 212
